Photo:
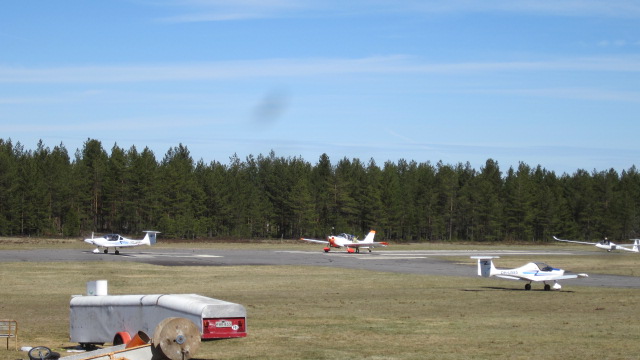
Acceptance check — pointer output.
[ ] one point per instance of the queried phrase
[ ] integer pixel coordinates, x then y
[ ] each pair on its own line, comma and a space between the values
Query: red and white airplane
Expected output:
351, 242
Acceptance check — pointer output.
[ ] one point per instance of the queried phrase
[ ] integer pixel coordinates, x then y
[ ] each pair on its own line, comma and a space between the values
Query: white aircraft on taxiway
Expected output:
533, 271
118, 241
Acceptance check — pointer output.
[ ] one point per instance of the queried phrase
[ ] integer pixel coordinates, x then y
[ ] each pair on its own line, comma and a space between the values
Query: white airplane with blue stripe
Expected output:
533, 271
116, 241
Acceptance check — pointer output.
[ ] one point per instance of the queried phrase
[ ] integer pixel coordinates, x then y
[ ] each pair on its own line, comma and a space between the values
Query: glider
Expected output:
606, 244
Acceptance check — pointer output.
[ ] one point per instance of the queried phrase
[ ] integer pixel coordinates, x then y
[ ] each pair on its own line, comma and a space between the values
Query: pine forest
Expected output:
47, 192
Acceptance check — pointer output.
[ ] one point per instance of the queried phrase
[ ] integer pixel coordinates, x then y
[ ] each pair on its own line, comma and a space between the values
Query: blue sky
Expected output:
554, 83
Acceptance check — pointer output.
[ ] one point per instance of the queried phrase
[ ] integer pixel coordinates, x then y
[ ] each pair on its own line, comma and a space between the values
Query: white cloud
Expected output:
224, 10
599, 8
584, 93
301, 68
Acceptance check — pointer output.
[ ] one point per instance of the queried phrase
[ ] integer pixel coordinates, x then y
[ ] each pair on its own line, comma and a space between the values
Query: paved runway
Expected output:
425, 262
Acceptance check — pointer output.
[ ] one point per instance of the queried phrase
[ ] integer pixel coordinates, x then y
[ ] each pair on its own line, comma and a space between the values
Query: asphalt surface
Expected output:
423, 262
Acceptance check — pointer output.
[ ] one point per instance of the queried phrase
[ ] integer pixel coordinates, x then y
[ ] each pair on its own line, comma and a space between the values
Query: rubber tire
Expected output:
42, 353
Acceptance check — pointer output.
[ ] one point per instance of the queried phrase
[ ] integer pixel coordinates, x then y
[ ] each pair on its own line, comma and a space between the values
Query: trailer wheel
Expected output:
42, 353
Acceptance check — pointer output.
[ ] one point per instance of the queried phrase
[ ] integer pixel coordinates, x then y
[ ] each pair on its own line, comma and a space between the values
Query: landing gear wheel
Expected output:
527, 287
176, 338
547, 287
117, 252
106, 251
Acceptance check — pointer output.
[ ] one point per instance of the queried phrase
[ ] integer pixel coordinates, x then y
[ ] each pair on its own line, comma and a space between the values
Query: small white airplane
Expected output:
530, 272
606, 244
351, 242
118, 241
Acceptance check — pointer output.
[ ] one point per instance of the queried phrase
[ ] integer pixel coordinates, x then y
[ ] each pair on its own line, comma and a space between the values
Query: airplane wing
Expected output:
510, 277
315, 241
542, 278
572, 276
574, 241
366, 244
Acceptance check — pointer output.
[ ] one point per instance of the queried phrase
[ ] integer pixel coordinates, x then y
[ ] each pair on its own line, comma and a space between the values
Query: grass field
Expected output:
297, 312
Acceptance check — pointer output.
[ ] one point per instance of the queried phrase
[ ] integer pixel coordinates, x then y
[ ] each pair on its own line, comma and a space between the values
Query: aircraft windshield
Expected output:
112, 237
348, 236
544, 267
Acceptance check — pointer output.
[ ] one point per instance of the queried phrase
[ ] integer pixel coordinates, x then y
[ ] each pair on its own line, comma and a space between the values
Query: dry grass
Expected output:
326, 313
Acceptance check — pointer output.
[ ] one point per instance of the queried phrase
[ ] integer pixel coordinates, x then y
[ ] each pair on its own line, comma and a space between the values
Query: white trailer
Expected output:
117, 318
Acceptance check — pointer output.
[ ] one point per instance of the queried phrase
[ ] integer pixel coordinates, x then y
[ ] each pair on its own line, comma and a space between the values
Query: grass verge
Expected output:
297, 312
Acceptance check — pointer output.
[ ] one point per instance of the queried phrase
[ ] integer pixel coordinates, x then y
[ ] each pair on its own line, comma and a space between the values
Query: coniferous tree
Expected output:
91, 164
142, 201
489, 194
446, 188
518, 194
8, 183
426, 202
346, 208
61, 199
390, 197
116, 192
630, 203
31, 191
181, 199
322, 193
465, 210
42, 192
302, 207
371, 203
259, 210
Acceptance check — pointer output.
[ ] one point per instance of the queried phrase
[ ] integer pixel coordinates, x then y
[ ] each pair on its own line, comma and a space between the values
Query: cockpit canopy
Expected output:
543, 266
112, 237
348, 236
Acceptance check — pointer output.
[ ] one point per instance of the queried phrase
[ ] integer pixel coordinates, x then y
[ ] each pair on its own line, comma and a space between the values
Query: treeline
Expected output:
45, 192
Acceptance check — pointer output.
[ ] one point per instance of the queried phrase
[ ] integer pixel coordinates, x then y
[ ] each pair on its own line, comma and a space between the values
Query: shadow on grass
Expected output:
492, 288
110, 254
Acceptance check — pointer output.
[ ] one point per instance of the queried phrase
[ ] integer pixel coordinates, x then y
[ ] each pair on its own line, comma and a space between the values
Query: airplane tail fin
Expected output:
150, 237
369, 237
485, 265
636, 245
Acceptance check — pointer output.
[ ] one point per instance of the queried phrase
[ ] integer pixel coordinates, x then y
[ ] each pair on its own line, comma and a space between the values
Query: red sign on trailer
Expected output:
223, 328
